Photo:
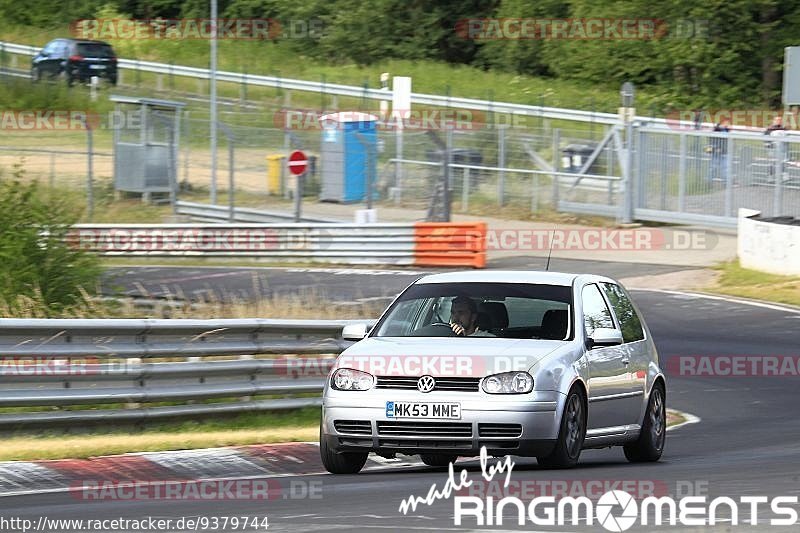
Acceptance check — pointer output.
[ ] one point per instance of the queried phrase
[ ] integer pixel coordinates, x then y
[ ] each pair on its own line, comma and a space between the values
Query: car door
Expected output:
46, 60
637, 349
612, 401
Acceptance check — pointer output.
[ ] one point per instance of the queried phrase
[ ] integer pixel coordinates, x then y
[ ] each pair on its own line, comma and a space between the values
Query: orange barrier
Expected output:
450, 244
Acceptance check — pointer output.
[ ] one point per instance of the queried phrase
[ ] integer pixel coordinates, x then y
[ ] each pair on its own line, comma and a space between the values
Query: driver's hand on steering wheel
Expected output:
458, 329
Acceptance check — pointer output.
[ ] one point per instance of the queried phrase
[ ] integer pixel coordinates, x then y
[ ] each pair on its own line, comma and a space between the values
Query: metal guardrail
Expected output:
62, 364
417, 243
220, 213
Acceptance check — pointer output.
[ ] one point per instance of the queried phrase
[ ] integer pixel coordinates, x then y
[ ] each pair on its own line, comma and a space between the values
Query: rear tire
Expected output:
650, 445
437, 459
340, 463
570, 435
36, 75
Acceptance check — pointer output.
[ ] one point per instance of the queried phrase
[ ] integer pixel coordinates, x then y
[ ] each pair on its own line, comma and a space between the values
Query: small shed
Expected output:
146, 142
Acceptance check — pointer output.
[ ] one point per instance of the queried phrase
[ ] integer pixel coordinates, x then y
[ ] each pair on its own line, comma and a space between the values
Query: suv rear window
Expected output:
95, 50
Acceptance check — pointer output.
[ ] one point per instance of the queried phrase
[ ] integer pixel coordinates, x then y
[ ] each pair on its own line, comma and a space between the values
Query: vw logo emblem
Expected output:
426, 383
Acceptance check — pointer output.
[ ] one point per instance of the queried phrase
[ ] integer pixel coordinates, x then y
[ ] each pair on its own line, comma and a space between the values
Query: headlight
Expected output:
508, 383
349, 379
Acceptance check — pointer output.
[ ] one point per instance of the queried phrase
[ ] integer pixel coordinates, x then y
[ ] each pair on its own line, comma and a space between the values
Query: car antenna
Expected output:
550, 250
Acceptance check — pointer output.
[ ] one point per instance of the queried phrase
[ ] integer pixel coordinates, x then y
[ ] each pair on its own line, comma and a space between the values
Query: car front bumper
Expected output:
525, 425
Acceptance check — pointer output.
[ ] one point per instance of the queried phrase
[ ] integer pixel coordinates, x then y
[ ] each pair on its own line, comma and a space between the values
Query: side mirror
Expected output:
604, 337
354, 332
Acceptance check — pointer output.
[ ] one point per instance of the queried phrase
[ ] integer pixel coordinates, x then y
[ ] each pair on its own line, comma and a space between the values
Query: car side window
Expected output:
51, 47
629, 321
595, 311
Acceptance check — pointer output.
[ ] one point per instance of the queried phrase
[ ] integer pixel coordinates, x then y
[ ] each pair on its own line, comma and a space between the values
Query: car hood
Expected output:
448, 356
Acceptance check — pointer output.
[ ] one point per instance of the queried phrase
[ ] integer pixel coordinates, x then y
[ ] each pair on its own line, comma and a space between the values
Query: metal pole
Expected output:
399, 157
448, 154
627, 213
52, 170
231, 215
368, 173
501, 156
682, 174
90, 170
777, 199
729, 177
298, 197
212, 81
465, 192
556, 165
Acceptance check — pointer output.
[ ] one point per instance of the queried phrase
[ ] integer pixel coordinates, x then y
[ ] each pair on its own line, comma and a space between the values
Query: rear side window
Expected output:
595, 312
95, 50
629, 321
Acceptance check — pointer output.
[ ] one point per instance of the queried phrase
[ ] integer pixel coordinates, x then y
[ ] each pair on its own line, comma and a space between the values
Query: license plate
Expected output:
97, 67
446, 410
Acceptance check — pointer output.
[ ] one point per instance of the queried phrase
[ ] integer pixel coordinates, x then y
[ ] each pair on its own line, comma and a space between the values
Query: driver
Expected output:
464, 318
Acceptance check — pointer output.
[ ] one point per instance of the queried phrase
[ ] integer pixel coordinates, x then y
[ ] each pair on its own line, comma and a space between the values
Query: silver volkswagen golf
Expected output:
538, 364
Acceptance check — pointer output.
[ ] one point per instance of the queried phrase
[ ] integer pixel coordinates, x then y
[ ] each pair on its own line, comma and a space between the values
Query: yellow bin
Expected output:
274, 172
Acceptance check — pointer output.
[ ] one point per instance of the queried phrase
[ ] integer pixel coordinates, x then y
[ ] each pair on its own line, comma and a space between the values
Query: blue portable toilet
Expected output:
348, 155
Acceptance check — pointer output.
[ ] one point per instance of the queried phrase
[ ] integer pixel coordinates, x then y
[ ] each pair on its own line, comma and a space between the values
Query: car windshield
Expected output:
95, 50
509, 310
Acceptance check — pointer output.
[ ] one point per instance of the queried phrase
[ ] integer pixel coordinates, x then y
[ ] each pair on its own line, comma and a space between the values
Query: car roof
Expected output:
80, 41
502, 276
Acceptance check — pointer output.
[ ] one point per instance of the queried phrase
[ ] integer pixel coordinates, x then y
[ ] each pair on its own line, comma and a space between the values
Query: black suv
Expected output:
75, 60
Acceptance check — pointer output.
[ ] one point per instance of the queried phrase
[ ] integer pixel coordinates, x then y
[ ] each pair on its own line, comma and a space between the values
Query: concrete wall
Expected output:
767, 246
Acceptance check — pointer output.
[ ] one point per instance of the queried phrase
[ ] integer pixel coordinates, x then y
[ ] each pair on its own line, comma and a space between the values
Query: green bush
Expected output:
40, 274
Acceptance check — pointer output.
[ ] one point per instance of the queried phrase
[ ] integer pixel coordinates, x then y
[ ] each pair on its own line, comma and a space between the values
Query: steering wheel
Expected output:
435, 329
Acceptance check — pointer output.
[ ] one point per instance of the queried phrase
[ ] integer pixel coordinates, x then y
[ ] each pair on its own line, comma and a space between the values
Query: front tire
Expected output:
570, 435
650, 445
437, 459
340, 463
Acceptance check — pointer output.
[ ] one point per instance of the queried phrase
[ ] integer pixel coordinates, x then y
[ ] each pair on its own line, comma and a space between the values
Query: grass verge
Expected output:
257, 428
737, 281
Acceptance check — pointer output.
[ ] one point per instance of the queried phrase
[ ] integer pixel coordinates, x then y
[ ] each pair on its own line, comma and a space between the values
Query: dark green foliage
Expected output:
37, 268
737, 61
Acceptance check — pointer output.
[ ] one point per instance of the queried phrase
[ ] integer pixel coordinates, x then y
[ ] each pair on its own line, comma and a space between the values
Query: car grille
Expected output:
500, 430
425, 429
353, 427
442, 384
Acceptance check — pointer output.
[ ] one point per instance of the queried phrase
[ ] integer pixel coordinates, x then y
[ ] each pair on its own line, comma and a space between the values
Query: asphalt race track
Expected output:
747, 442
333, 284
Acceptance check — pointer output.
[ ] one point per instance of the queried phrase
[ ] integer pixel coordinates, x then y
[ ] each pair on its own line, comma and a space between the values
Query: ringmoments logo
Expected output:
615, 510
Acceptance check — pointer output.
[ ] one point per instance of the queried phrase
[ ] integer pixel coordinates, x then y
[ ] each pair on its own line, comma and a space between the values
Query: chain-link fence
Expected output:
681, 176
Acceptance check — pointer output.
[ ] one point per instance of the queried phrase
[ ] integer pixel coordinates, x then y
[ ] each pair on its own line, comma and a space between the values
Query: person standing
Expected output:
719, 152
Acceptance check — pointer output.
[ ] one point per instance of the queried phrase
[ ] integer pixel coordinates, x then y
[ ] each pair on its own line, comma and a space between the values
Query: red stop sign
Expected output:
298, 162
